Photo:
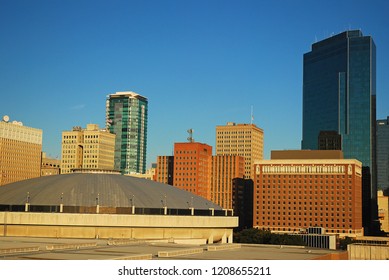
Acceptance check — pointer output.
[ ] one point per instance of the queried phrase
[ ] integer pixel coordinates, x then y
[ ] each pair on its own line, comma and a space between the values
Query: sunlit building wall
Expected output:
90, 148
20, 151
225, 168
244, 140
295, 194
193, 167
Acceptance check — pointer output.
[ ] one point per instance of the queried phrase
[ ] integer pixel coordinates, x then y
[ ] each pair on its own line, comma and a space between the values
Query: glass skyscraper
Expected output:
126, 117
339, 94
383, 154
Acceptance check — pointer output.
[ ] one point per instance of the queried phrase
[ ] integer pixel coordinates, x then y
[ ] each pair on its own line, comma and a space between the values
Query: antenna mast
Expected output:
190, 138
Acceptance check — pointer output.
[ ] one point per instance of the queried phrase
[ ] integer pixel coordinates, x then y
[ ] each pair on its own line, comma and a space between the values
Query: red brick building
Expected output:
192, 168
295, 194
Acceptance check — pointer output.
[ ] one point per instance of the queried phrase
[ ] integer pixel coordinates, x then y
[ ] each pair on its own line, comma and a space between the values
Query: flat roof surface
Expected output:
98, 249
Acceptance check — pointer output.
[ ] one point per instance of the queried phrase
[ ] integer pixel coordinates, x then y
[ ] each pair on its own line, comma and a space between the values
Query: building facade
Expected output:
20, 151
383, 210
224, 170
90, 148
243, 201
244, 140
165, 170
50, 166
339, 94
383, 154
193, 167
291, 195
126, 117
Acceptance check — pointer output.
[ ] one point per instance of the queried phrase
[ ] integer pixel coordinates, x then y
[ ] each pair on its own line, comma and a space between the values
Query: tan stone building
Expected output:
50, 166
90, 148
225, 168
383, 210
244, 140
20, 151
291, 195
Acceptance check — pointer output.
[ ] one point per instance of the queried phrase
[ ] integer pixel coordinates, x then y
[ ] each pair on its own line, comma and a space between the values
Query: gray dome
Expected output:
112, 191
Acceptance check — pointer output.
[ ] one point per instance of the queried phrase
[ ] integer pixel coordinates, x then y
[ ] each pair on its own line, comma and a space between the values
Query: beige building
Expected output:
244, 140
224, 170
20, 151
50, 166
90, 148
383, 210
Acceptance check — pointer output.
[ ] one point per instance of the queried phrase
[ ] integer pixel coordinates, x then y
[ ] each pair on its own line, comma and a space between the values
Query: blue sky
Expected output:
200, 63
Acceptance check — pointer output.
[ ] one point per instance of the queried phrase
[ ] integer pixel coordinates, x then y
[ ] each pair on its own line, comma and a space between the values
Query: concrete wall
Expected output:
61, 225
367, 252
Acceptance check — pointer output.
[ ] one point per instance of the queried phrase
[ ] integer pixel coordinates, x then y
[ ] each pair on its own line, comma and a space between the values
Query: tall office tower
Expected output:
244, 140
192, 168
90, 148
164, 171
383, 154
315, 189
224, 170
126, 116
339, 94
20, 151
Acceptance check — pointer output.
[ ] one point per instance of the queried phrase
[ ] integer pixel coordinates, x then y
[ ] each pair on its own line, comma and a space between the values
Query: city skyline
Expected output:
199, 63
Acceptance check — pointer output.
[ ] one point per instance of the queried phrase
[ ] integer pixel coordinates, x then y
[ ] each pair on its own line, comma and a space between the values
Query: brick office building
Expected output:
291, 195
192, 168
225, 168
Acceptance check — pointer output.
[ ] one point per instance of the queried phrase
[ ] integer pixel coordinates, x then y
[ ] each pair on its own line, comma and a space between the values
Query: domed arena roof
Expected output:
109, 190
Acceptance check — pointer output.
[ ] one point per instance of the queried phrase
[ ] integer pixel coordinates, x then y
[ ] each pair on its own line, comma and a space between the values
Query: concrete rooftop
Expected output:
92, 249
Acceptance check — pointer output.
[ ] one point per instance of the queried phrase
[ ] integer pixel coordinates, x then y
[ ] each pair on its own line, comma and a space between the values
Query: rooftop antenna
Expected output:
190, 138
